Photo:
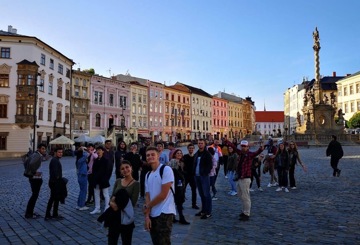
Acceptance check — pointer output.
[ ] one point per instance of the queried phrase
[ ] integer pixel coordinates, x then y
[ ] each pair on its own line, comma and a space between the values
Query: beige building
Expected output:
80, 103
34, 93
349, 95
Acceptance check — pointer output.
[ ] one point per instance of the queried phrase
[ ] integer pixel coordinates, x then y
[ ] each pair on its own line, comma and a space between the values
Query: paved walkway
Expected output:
323, 210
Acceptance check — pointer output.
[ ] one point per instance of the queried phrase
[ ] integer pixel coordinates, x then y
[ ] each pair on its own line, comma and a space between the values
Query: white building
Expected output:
25, 63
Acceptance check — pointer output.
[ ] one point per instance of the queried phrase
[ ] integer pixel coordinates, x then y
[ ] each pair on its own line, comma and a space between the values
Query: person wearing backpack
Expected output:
33, 172
159, 208
177, 165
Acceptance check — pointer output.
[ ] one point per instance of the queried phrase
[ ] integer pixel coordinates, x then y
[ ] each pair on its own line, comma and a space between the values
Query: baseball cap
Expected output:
244, 143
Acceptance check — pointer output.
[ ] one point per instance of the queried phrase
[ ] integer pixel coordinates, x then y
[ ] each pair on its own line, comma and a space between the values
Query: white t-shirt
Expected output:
153, 186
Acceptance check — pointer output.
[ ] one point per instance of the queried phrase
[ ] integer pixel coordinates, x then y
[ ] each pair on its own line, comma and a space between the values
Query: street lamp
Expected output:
35, 105
122, 123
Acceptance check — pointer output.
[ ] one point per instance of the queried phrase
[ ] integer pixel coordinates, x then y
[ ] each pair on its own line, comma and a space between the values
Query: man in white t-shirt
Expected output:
159, 208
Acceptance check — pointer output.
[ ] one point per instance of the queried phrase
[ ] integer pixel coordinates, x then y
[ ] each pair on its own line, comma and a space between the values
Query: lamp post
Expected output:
286, 129
35, 105
122, 123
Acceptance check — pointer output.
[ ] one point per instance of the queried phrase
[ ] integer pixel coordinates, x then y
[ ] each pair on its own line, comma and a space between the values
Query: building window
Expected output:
160, 108
160, 122
49, 114
346, 108
67, 118
358, 105
5, 53
67, 73
345, 91
352, 107
58, 116
41, 113
84, 93
122, 101
139, 97
59, 92
98, 97
151, 93
145, 122
3, 110
60, 69
29, 109
161, 95
151, 122
76, 92
134, 98
97, 120
51, 64
134, 122
42, 87
134, 109
351, 89
139, 109
50, 88
151, 107
144, 99
42, 59
67, 94
144, 110
156, 108
111, 100
4, 80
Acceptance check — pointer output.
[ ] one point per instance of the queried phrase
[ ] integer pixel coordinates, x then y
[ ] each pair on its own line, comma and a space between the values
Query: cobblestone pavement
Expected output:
323, 210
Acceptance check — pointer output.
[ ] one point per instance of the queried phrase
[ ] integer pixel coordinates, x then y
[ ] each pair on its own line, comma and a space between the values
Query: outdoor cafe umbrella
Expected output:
62, 140
82, 138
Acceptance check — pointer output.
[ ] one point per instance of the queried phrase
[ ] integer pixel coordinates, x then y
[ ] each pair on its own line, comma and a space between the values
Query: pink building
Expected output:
219, 117
109, 108
156, 110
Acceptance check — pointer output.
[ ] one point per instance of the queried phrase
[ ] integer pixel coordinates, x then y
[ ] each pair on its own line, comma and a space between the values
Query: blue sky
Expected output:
255, 48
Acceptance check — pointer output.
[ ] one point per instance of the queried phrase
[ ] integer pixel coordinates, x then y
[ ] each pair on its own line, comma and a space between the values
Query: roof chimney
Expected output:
12, 30
334, 73
9, 28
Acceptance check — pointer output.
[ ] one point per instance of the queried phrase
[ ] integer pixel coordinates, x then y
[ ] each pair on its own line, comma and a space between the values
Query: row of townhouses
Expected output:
42, 97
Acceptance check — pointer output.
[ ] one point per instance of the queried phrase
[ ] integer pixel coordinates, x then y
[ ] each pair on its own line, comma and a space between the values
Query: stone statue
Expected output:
326, 99
312, 98
305, 100
332, 99
340, 117
316, 39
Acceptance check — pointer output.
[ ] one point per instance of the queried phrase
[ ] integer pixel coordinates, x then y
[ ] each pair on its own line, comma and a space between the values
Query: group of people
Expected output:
163, 180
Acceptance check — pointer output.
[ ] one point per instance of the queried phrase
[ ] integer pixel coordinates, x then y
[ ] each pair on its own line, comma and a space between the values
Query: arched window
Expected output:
97, 120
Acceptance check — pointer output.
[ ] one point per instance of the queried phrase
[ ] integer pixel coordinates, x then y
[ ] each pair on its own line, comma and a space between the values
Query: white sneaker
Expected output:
294, 187
286, 189
214, 198
83, 208
251, 189
226, 177
260, 189
269, 185
95, 211
279, 189
275, 184
233, 193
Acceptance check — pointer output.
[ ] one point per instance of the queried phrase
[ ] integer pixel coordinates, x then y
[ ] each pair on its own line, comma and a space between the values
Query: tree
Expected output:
354, 121
91, 71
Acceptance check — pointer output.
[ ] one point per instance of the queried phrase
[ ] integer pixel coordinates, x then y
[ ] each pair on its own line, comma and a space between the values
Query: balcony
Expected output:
24, 119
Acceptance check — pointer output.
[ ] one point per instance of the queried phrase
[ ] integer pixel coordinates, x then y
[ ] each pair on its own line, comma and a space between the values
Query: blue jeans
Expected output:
82, 180
231, 180
203, 185
212, 185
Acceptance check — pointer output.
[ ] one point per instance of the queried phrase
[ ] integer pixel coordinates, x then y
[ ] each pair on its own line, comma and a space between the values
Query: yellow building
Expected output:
177, 113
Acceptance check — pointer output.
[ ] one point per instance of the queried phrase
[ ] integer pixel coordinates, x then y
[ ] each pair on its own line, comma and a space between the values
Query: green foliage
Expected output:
91, 71
354, 121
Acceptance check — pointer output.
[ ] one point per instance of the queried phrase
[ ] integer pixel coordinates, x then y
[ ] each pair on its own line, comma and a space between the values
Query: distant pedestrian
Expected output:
282, 165
202, 167
189, 173
81, 170
33, 171
233, 159
177, 165
90, 162
213, 174
270, 162
119, 156
163, 157
225, 152
294, 160
135, 159
171, 148
336, 152
55, 171
256, 171
159, 208
101, 179
109, 155
145, 167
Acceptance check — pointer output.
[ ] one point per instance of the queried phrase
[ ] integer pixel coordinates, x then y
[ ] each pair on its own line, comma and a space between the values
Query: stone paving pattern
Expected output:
323, 210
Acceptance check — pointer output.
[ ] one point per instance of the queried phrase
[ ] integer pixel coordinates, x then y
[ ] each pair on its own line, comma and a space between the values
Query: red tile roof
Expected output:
269, 116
